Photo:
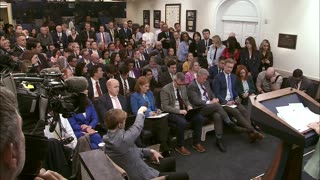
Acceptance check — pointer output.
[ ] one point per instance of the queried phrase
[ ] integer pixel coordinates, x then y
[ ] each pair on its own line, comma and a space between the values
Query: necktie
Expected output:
125, 87
103, 38
116, 100
98, 89
205, 93
181, 104
230, 86
215, 54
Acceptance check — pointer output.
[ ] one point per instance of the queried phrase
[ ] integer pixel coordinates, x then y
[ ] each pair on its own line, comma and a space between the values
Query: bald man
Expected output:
110, 100
268, 81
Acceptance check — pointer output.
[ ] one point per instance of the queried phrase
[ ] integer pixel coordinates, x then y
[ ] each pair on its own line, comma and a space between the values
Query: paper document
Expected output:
297, 116
232, 106
158, 116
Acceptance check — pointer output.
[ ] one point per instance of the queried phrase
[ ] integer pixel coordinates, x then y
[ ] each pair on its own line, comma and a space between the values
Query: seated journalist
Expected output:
120, 147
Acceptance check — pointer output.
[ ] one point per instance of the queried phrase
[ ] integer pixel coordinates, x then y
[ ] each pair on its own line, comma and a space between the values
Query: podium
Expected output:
287, 164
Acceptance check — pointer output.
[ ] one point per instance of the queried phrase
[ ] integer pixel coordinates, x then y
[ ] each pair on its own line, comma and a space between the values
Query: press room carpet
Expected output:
242, 161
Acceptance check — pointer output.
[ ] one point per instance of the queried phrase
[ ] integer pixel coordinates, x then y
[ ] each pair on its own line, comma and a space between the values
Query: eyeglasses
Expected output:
180, 84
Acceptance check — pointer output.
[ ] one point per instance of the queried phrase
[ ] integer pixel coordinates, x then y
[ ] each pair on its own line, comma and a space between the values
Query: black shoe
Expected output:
166, 154
220, 145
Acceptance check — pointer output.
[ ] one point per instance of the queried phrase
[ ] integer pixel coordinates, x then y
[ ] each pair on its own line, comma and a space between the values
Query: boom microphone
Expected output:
76, 84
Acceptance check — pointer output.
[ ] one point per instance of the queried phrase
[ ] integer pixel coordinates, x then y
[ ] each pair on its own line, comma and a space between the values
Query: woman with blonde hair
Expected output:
215, 51
192, 73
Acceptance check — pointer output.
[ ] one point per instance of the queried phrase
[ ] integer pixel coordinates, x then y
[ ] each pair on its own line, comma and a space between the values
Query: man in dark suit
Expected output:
113, 32
201, 96
59, 38
224, 87
144, 56
168, 76
126, 87
166, 38
174, 100
204, 45
110, 100
298, 81
96, 83
87, 35
215, 69
33, 44
20, 45
95, 61
160, 53
125, 34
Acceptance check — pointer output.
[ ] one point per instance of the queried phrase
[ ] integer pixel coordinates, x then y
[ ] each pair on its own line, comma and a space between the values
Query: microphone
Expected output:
76, 84
50, 72
255, 98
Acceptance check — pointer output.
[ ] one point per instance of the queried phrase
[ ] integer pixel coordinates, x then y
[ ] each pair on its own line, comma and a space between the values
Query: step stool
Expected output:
205, 129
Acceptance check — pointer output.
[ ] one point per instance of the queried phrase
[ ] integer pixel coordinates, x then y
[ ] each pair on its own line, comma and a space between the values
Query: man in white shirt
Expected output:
110, 100
159, 30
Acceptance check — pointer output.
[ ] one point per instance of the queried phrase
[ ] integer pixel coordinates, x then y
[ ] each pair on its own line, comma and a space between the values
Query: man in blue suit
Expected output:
224, 87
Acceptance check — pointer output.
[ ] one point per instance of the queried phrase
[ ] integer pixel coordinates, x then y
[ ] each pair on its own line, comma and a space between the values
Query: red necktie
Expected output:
98, 89
104, 39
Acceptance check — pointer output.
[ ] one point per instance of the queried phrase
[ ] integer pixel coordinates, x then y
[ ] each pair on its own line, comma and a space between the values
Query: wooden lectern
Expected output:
287, 164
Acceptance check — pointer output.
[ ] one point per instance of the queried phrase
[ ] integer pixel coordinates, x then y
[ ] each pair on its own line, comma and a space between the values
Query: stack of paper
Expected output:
297, 116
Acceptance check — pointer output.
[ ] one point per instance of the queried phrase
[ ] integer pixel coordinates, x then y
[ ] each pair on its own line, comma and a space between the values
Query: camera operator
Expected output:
12, 141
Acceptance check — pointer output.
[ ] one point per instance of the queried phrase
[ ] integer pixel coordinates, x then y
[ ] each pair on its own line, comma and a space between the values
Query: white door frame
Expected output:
219, 18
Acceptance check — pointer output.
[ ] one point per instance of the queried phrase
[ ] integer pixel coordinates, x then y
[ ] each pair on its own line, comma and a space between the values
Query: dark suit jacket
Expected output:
84, 37
194, 94
104, 104
64, 40
202, 48
166, 44
17, 51
131, 82
123, 35
103, 87
239, 86
220, 87
165, 79
115, 32
213, 71
168, 98
253, 63
306, 85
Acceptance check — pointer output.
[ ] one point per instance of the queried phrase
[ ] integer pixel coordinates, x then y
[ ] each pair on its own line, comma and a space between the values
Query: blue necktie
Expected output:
230, 86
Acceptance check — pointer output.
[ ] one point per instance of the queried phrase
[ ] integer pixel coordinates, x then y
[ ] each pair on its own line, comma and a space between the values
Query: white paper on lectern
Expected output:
297, 116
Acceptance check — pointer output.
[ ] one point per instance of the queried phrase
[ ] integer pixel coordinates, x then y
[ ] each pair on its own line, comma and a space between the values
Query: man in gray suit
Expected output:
156, 68
174, 100
103, 36
200, 95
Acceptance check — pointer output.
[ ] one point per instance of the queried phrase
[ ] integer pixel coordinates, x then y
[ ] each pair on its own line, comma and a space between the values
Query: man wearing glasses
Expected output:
174, 100
200, 95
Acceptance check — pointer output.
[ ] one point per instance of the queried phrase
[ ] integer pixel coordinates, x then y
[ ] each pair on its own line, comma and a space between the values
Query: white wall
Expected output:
299, 17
